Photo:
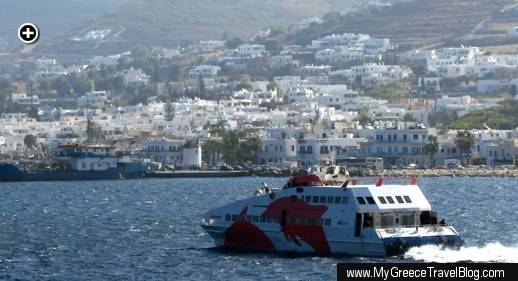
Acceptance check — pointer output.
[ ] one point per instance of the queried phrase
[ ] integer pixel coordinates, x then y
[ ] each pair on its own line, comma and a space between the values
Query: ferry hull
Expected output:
10, 173
382, 247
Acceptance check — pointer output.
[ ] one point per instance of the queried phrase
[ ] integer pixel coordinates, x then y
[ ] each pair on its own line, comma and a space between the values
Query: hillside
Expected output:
413, 23
170, 23
504, 117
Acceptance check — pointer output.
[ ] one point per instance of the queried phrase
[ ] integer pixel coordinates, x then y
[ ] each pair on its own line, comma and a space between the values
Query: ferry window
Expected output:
390, 200
315, 199
407, 199
387, 220
322, 199
370, 200
307, 199
263, 220
248, 218
345, 200
368, 221
338, 200
234, 217
256, 218
227, 217
329, 199
400, 199
382, 200
361, 200
327, 221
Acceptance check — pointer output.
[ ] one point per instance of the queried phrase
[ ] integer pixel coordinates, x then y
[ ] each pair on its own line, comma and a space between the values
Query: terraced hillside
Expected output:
415, 23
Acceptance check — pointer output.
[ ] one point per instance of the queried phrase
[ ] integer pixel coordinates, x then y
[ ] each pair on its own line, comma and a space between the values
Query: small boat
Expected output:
305, 216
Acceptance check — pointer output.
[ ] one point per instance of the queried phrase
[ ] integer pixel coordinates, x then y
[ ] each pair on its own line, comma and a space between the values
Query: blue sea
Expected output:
149, 230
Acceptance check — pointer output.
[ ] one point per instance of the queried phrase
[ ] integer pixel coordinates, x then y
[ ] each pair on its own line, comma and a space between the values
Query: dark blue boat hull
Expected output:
11, 173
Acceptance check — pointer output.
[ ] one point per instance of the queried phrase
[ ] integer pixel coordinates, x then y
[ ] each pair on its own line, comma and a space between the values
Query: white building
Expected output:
206, 71
251, 50
24, 99
165, 151
208, 45
371, 73
135, 76
93, 99
191, 157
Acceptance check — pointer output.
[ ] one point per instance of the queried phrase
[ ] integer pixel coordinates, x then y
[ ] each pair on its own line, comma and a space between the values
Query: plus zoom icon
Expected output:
28, 33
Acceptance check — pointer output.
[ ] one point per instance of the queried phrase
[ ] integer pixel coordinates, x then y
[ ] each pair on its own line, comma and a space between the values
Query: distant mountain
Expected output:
171, 22
52, 16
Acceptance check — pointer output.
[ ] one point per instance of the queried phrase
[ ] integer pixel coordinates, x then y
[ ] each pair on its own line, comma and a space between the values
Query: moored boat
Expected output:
78, 162
306, 216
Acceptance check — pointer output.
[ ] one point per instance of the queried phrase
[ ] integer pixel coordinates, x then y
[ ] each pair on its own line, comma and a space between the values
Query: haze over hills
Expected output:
52, 16
170, 23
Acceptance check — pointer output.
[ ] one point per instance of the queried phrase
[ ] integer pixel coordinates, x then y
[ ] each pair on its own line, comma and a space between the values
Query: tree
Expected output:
364, 119
201, 87
94, 133
465, 141
169, 111
514, 90
444, 117
408, 117
30, 141
33, 113
234, 42
432, 146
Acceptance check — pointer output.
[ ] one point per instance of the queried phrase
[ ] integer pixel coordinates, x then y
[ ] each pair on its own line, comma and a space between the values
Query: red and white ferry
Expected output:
306, 216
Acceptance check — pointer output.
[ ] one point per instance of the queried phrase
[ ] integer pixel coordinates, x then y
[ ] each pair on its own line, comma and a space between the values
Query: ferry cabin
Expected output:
85, 157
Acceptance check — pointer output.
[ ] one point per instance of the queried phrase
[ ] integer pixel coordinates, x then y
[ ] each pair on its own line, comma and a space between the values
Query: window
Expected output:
327, 222
307, 199
322, 199
315, 199
338, 200
390, 200
345, 200
248, 218
329, 199
407, 199
234, 217
370, 200
382, 200
361, 200
227, 217
399, 199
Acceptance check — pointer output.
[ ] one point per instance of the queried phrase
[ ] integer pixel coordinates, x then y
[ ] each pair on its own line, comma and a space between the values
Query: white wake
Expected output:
493, 252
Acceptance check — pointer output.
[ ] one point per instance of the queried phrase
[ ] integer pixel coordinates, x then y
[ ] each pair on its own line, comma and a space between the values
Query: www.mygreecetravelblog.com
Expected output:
436, 271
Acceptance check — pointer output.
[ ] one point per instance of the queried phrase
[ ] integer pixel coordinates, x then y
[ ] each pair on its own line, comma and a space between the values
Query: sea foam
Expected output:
492, 252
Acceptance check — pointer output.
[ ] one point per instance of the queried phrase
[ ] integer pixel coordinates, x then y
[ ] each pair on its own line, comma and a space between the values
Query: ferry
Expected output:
307, 217
76, 162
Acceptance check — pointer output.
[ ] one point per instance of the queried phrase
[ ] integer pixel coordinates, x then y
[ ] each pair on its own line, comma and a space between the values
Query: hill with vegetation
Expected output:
169, 23
415, 23
502, 117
